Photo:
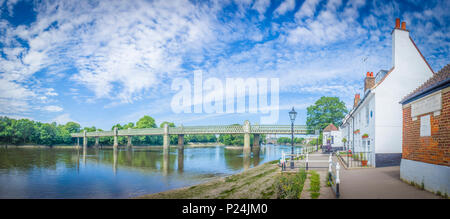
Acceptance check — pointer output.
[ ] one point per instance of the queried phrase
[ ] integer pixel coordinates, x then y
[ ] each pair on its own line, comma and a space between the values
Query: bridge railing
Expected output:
145, 131
275, 129
217, 129
186, 130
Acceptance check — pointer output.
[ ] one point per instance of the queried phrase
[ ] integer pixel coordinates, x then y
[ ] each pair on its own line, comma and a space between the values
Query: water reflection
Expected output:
115, 154
256, 154
165, 165
121, 173
180, 156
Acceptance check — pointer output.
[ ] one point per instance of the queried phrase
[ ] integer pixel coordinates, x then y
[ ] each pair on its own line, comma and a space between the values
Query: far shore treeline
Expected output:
26, 132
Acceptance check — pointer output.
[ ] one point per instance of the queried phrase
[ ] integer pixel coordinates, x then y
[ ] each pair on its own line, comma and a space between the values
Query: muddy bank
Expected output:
254, 183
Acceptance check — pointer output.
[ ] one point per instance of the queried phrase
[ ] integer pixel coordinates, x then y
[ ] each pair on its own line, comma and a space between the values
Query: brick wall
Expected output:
434, 149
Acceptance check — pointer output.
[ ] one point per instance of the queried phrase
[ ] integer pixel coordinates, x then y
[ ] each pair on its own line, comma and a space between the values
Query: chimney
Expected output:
369, 82
397, 23
356, 101
400, 36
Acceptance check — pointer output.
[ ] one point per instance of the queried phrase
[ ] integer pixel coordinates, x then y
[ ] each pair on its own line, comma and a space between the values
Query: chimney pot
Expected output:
403, 25
397, 23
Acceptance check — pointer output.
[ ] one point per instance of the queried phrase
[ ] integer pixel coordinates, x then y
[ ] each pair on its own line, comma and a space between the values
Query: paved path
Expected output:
319, 163
367, 183
378, 183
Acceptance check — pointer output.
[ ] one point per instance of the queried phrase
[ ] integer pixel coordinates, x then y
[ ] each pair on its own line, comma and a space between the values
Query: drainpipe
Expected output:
353, 134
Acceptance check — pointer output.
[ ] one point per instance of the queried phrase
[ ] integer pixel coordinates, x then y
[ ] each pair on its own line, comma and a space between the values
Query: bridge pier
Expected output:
181, 141
256, 139
166, 139
129, 143
78, 143
246, 129
116, 143
84, 139
129, 138
96, 141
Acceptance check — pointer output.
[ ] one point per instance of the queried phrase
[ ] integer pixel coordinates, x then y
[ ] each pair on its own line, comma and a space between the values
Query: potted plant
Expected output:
356, 131
363, 160
365, 135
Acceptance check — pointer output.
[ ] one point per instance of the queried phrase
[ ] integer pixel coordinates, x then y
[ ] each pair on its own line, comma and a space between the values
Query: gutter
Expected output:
438, 86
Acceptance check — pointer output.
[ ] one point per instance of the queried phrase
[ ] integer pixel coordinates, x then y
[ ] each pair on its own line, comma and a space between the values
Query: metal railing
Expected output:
214, 129
302, 155
364, 159
333, 176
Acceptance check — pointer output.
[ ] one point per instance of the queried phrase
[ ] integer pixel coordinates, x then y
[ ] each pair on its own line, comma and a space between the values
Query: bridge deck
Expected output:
193, 130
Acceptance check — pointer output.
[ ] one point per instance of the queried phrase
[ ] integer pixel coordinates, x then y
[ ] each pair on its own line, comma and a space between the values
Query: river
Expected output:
105, 173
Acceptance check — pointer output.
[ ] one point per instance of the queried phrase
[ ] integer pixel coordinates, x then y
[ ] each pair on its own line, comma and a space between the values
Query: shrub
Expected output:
290, 186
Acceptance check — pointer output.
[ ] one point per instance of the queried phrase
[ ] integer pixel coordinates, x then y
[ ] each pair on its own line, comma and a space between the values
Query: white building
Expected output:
374, 125
332, 136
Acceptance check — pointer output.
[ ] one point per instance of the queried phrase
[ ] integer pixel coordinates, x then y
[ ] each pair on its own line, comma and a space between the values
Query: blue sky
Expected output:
105, 62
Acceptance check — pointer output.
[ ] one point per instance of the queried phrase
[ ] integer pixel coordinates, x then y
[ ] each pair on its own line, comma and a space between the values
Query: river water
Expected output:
105, 173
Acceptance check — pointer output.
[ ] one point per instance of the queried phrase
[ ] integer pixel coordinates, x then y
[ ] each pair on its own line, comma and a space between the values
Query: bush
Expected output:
290, 186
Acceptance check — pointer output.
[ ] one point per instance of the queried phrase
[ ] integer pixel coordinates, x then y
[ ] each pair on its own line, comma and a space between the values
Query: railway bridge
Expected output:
246, 129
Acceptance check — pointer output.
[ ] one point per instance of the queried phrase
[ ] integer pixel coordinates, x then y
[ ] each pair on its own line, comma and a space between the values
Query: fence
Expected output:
351, 159
300, 156
333, 176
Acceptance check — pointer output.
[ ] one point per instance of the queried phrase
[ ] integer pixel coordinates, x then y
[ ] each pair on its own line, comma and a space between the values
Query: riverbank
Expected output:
189, 145
255, 183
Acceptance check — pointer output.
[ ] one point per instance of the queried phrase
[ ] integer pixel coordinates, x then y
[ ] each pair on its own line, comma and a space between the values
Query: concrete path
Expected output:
378, 183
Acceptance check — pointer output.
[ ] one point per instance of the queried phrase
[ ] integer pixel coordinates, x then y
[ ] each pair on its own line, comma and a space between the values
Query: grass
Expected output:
314, 184
290, 186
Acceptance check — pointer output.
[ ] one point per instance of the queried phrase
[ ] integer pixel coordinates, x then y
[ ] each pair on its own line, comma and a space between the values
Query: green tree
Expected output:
326, 110
170, 124
146, 122
72, 127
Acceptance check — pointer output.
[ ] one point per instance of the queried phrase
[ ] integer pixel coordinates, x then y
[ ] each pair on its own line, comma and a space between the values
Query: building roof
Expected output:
330, 128
437, 81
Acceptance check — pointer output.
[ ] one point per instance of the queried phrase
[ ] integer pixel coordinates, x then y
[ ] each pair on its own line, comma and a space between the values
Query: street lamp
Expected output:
292, 115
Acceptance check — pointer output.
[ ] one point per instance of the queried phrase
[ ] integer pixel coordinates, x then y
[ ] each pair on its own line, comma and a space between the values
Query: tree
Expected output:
146, 122
170, 124
72, 127
326, 110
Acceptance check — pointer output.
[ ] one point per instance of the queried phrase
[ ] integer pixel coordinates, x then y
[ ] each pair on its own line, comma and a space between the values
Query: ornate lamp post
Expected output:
292, 115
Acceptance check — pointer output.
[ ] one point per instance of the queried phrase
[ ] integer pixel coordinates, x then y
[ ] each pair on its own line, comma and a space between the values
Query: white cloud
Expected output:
285, 6
51, 92
63, 119
307, 9
261, 6
53, 108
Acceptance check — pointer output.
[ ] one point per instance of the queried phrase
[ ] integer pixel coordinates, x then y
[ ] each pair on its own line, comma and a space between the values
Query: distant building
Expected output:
332, 136
374, 125
426, 134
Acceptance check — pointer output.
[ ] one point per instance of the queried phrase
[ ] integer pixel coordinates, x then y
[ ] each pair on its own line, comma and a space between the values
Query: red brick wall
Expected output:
434, 149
